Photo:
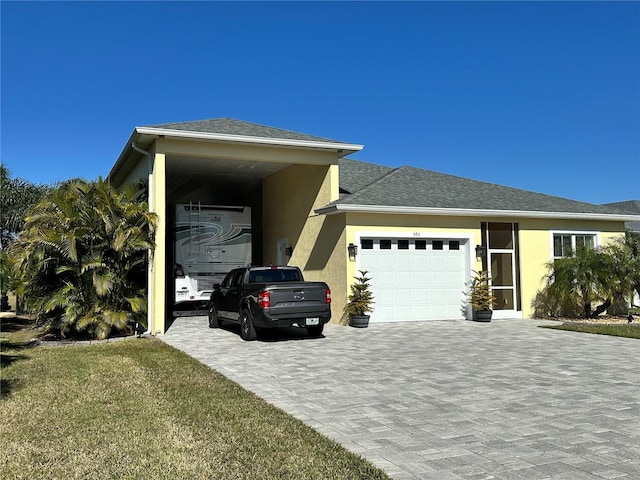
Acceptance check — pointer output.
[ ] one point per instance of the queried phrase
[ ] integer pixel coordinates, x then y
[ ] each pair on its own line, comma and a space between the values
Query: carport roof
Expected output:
225, 130
240, 128
377, 189
239, 131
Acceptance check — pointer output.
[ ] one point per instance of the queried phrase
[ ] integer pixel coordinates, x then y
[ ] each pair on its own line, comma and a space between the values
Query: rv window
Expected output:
179, 271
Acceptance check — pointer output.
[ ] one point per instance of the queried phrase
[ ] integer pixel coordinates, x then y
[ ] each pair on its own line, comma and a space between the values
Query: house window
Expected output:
585, 241
565, 243
403, 244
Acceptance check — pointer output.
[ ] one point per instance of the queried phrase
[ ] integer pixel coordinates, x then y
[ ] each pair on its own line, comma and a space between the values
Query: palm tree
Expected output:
16, 197
80, 260
583, 276
625, 265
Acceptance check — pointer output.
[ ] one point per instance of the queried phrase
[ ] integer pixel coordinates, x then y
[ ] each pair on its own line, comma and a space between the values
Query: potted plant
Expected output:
480, 298
360, 301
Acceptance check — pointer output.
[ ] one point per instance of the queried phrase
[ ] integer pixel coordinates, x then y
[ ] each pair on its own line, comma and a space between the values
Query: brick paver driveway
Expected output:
449, 399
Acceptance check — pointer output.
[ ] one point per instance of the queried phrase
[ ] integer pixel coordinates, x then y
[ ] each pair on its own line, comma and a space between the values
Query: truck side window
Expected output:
237, 278
226, 283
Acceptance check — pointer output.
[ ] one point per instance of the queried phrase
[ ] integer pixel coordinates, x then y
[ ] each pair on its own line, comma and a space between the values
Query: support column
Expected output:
157, 287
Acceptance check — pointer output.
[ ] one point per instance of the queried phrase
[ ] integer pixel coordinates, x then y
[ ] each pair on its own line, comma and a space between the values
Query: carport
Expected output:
282, 175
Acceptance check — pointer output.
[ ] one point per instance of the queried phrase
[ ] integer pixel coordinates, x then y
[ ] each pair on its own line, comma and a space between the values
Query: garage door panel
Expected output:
403, 261
404, 296
438, 263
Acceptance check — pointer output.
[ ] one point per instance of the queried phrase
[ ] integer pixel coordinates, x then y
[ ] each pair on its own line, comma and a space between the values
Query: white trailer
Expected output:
210, 240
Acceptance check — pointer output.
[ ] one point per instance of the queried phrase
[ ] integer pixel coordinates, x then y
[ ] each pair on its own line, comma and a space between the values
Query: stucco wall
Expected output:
536, 249
535, 238
242, 151
289, 200
140, 171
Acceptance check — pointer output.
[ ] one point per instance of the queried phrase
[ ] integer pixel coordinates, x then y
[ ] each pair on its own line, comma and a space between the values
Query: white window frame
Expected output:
573, 234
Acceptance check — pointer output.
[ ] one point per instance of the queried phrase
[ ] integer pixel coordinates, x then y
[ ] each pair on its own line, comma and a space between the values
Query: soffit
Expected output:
214, 178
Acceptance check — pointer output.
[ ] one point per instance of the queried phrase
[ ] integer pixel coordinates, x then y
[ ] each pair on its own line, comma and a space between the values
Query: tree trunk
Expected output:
601, 308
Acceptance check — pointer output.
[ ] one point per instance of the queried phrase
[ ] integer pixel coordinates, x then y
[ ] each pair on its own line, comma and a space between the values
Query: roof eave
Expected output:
122, 157
469, 212
342, 148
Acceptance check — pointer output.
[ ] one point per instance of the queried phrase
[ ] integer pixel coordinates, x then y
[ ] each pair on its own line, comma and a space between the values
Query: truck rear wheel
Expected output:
213, 317
316, 330
247, 330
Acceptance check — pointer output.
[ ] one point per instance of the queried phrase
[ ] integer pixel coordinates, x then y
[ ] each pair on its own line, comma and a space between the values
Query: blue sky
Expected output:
542, 96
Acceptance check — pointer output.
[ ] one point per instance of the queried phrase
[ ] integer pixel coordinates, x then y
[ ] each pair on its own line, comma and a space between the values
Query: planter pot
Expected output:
359, 321
482, 315
4, 303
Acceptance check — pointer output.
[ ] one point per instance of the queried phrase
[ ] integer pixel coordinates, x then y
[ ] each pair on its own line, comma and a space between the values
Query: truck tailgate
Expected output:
304, 298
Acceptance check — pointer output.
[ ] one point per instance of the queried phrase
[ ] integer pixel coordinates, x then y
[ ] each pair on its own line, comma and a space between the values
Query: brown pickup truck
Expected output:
270, 297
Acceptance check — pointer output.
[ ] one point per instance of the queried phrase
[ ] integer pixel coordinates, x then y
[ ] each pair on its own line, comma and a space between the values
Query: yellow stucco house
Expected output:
419, 233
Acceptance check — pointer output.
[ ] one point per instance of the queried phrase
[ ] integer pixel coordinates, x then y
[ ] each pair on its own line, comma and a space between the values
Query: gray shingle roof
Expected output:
413, 187
230, 126
355, 175
630, 206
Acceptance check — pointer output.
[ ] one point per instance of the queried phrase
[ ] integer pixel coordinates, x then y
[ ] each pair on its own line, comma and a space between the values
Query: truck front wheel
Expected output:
247, 330
213, 317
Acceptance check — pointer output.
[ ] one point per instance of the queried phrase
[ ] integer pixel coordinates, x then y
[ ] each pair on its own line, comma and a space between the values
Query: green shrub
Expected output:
479, 295
361, 298
80, 261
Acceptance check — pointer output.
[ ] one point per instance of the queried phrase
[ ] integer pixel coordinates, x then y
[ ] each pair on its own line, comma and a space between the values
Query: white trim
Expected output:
508, 313
344, 147
416, 234
469, 212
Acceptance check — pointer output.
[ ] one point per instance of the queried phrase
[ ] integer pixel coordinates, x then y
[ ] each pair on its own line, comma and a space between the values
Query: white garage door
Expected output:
415, 279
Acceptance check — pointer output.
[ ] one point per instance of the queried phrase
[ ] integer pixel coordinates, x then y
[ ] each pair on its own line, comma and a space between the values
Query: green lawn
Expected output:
618, 330
141, 409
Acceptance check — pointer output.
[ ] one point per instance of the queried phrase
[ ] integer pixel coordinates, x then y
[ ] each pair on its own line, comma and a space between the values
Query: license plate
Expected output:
313, 321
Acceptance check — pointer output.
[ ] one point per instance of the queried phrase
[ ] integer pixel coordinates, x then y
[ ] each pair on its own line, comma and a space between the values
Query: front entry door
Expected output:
502, 240
502, 280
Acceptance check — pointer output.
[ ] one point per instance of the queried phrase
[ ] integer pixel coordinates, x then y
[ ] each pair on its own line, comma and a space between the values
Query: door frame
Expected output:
516, 312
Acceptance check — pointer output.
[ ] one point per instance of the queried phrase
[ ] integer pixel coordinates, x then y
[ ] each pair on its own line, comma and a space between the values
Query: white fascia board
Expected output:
346, 148
468, 212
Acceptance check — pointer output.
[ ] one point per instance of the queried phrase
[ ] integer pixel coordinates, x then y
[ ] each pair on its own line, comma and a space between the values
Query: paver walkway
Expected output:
449, 399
